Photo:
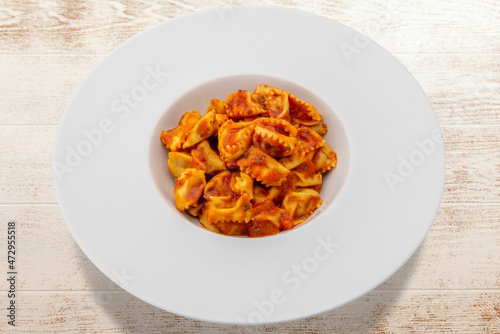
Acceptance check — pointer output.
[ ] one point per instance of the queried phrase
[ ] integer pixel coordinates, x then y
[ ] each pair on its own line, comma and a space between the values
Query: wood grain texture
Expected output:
26, 166
450, 285
425, 26
48, 257
457, 254
472, 155
36, 88
378, 312
472, 164
461, 251
463, 89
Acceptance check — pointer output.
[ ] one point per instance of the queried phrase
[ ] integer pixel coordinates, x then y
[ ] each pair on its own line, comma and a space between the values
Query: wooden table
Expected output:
452, 283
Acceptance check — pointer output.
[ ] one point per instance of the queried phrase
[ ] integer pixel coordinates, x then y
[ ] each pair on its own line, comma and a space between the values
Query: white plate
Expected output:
379, 203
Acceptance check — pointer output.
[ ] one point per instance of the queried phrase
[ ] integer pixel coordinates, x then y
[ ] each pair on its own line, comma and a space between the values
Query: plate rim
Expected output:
183, 17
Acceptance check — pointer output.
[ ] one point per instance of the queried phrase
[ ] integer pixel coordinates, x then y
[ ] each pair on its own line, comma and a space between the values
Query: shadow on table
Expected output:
131, 315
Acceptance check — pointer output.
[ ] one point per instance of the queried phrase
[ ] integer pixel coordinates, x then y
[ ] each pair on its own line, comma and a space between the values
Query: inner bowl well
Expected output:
199, 98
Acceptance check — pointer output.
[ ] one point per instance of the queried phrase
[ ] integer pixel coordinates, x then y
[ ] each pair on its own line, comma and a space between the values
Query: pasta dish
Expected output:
252, 164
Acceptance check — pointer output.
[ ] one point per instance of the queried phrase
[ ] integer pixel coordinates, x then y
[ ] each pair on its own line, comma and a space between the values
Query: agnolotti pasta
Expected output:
262, 167
234, 138
275, 102
309, 139
274, 136
175, 138
242, 104
188, 188
205, 157
203, 129
252, 165
302, 112
301, 203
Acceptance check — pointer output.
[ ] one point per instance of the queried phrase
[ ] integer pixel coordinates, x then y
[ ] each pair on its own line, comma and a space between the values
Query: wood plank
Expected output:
378, 312
427, 26
472, 164
461, 251
424, 26
35, 89
472, 156
458, 253
48, 257
26, 166
451, 284
462, 88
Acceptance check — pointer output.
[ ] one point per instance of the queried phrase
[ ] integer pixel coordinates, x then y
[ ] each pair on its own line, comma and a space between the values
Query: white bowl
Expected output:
116, 197
199, 97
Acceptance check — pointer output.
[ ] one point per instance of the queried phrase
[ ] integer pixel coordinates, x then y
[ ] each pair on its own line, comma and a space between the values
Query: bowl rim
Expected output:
330, 117
61, 193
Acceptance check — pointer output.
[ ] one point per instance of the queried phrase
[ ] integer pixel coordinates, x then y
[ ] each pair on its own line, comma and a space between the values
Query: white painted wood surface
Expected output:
452, 283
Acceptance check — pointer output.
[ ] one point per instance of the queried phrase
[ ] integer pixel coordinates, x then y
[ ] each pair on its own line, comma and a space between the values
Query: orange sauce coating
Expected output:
252, 165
